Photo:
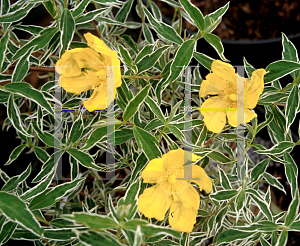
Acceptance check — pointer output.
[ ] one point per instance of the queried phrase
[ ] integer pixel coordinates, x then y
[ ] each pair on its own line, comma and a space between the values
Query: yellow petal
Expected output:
117, 69
75, 84
184, 208
97, 100
212, 85
232, 116
97, 44
89, 58
225, 71
153, 171
200, 177
69, 66
213, 111
249, 115
254, 88
155, 201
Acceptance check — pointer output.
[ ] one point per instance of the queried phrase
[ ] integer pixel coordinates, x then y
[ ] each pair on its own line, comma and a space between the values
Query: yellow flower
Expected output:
223, 83
171, 192
86, 68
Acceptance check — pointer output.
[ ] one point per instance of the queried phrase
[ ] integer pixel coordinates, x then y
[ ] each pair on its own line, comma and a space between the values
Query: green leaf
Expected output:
95, 137
3, 47
124, 11
289, 53
138, 237
76, 130
259, 169
216, 43
123, 135
233, 235
147, 143
145, 51
131, 43
83, 158
155, 108
19, 212
15, 181
5, 5
13, 114
240, 200
181, 60
216, 17
135, 103
218, 156
261, 203
46, 137
150, 229
39, 188
125, 56
33, 30
248, 67
278, 149
278, 69
22, 67
148, 61
7, 231
79, 9
224, 179
16, 15
67, 29
224, 195
52, 195
50, 6
26, 90
91, 15
273, 181
147, 34
162, 29
39, 42
291, 173
292, 210
93, 238
176, 132
48, 166
195, 14
130, 198
282, 240
15, 153
292, 106
204, 60
94, 221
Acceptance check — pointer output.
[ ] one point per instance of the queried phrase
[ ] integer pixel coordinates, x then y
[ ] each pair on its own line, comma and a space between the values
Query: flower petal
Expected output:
176, 158
97, 100
155, 201
232, 116
254, 88
249, 115
200, 177
154, 171
184, 207
213, 110
75, 84
212, 85
225, 71
97, 44
69, 66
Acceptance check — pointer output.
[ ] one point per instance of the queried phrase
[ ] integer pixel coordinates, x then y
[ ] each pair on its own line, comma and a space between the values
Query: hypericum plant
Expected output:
153, 116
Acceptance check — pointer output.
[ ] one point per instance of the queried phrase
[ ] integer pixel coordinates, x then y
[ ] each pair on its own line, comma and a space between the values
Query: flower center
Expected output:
233, 97
172, 179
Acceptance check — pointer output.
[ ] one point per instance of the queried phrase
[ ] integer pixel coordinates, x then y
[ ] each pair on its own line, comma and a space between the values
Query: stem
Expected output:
97, 31
79, 34
65, 4
43, 69
143, 20
200, 34
290, 85
46, 241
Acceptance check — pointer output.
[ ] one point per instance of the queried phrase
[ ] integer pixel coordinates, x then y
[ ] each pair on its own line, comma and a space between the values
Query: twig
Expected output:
97, 31
46, 241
